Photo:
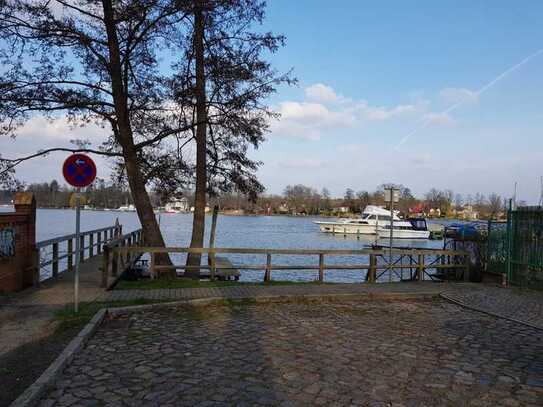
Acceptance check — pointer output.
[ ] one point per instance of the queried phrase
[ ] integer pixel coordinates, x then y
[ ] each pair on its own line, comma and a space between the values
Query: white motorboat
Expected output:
376, 221
127, 208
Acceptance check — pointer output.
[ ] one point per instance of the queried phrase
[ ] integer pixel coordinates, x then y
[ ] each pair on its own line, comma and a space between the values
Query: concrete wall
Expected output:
18, 268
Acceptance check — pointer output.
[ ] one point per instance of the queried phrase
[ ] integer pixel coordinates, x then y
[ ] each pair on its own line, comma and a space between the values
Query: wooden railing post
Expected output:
99, 242
212, 264
421, 267
105, 267
55, 259
128, 253
114, 260
321, 267
267, 274
70, 254
372, 271
91, 244
152, 268
81, 248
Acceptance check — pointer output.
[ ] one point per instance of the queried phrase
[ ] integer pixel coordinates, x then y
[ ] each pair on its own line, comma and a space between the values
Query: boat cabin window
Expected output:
418, 224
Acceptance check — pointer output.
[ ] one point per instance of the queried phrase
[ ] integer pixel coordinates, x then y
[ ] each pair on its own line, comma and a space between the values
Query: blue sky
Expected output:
422, 57
371, 73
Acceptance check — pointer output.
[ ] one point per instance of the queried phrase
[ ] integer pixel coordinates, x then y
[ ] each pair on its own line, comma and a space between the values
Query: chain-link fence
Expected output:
525, 244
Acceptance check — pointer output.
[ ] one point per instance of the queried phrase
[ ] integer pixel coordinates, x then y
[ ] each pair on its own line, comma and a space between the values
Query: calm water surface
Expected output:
277, 232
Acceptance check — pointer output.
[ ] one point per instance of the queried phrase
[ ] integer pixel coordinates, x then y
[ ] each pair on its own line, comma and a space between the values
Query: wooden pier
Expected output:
383, 265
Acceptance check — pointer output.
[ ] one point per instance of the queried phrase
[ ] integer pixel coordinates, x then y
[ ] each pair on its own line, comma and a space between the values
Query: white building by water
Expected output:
177, 205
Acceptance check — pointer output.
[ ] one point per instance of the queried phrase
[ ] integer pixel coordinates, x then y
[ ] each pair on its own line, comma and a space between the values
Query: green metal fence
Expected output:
524, 244
497, 247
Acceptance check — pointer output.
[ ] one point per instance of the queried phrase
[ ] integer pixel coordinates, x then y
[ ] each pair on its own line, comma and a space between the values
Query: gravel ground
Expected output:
403, 353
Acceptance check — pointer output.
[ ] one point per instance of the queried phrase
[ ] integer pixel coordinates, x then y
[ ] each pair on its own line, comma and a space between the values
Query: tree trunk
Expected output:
151, 230
198, 222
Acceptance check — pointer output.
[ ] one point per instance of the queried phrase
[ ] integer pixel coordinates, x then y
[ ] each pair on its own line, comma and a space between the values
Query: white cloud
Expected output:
59, 130
321, 93
458, 95
309, 120
442, 119
324, 111
380, 113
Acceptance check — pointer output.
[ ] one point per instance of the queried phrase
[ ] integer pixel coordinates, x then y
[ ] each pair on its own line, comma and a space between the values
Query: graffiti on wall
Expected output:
7, 243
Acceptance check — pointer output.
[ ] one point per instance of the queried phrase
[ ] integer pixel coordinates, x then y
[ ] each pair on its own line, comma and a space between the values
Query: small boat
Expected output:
376, 221
127, 208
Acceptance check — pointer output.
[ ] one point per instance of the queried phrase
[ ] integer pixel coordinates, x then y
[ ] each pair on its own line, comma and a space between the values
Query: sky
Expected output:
445, 94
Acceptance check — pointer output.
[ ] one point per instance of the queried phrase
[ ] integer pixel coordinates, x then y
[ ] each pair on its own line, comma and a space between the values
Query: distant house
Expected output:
418, 210
283, 208
468, 213
177, 205
341, 209
206, 209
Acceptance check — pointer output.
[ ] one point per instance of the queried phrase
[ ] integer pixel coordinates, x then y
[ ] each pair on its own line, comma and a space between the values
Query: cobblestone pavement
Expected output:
375, 353
520, 304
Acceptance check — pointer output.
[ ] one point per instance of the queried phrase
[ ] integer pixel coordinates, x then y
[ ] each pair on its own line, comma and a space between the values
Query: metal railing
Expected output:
63, 248
419, 262
117, 257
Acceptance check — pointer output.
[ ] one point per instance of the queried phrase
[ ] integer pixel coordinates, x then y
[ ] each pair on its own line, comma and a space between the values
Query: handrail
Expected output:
95, 239
343, 252
59, 239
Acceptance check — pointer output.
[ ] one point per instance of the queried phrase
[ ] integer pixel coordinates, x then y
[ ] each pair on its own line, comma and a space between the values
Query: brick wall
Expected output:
18, 245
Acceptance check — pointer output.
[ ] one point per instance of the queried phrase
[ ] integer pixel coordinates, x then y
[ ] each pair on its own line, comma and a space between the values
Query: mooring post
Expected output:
211, 254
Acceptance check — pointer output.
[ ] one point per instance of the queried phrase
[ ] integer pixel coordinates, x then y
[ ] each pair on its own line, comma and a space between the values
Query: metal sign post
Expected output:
79, 171
391, 195
77, 248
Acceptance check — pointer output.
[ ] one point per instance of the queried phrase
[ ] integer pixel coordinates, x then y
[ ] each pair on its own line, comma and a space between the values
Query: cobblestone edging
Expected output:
452, 296
47, 379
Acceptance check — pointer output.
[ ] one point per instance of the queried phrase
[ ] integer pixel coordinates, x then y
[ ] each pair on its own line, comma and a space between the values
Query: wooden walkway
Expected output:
259, 291
28, 315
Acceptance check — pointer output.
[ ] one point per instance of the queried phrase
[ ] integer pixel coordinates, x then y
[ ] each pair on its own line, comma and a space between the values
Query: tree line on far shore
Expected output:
295, 199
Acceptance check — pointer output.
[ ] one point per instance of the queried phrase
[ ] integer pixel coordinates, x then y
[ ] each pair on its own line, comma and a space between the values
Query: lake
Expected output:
276, 232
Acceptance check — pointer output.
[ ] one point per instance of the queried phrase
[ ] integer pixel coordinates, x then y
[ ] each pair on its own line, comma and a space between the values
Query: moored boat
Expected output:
376, 221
